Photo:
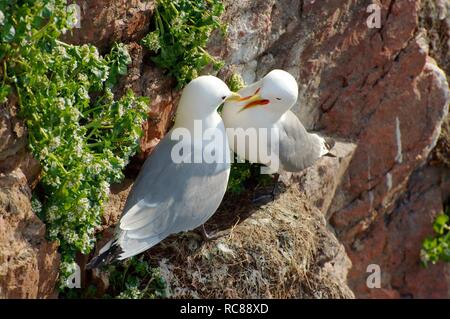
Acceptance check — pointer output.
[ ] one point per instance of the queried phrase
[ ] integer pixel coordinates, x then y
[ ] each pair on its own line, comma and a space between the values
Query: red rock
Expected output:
365, 85
104, 22
29, 264
147, 80
395, 239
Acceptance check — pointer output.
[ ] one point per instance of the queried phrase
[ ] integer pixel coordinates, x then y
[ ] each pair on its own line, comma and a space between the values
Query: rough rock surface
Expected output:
28, 263
148, 80
393, 241
104, 22
378, 87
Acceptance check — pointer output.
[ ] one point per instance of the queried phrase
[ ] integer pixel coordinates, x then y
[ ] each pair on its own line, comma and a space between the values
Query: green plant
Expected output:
236, 82
246, 175
82, 135
182, 29
438, 247
136, 279
239, 174
133, 278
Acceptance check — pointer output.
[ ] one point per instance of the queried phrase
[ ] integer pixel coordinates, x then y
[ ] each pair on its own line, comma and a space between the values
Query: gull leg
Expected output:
275, 185
210, 237
266, 198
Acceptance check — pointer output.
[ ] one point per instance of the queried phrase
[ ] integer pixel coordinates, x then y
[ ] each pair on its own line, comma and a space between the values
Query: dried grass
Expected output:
273, 251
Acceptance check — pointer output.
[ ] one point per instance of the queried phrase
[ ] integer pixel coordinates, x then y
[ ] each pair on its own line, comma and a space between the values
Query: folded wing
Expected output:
168, 198
298, 148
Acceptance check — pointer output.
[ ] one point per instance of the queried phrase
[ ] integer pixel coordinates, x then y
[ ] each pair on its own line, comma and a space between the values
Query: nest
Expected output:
279, 250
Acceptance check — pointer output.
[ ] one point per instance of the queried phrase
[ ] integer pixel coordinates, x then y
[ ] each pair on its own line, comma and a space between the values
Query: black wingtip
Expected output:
106, 257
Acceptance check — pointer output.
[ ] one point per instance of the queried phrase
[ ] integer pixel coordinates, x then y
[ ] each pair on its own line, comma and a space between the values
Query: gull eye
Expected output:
279, 99
224, 97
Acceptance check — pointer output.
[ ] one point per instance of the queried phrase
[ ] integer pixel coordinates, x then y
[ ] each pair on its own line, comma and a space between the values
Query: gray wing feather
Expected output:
168, 198
298, 148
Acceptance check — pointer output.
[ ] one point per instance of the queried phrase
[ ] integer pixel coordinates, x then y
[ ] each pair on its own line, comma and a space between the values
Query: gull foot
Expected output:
268, 197
210, 237
263, 199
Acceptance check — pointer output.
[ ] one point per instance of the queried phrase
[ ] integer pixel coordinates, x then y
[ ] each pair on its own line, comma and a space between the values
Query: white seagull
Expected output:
168, 196
266, 105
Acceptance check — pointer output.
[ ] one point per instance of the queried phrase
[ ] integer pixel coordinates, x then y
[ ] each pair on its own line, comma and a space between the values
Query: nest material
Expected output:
280, 250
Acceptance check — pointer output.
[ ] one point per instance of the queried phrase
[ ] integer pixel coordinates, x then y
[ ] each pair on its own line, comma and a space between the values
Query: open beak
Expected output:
234, 97
252, 101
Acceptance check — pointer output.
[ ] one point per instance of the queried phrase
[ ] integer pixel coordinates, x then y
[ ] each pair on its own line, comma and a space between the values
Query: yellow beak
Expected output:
252, 101
234, 97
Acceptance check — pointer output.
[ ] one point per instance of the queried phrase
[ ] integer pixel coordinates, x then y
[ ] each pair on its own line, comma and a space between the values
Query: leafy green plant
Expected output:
136, 279
236, 82
239, 174
438, 247
182, 29
133, 278
82, 135
245, 176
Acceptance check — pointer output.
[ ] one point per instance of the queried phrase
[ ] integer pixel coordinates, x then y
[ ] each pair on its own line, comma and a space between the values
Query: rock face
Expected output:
28, 263
104, 22
379, 87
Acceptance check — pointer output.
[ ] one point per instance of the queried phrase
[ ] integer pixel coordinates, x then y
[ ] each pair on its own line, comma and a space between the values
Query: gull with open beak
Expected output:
266, 104
171, 196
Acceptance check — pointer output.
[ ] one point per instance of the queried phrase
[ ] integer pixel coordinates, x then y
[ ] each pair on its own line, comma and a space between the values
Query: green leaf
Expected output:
4, 92
182, 30
82, 135
8, 33
440, 224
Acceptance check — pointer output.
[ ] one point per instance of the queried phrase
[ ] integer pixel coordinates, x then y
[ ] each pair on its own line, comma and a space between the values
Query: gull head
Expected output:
205, 94
277, 92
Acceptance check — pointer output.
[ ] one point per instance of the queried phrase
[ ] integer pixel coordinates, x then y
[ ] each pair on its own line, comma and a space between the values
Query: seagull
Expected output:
171, 196
266, 105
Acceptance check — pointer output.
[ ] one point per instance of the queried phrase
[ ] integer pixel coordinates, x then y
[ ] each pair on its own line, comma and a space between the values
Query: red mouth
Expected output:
254, 100
255, 103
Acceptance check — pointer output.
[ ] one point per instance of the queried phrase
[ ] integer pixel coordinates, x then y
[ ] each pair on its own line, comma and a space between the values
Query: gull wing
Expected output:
168, 198
298, 148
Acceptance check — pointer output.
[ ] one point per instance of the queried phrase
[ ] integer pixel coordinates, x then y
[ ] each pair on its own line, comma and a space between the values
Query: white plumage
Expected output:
266, 105
170, 197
